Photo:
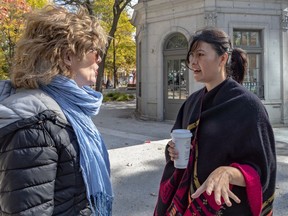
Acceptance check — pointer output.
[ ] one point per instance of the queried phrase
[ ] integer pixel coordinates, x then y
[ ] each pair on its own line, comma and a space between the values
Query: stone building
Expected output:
164, 28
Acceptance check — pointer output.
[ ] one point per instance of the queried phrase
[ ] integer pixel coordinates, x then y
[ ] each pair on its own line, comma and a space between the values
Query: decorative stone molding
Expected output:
210, 18
284, 20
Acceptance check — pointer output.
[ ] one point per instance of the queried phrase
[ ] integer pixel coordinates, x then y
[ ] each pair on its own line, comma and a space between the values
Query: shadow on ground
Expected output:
136, 173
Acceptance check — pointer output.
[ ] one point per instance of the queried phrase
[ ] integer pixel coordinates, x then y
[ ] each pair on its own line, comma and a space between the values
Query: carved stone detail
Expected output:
210, 18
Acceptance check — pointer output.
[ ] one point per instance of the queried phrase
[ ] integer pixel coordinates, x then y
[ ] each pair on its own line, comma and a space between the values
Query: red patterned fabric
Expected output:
253, 187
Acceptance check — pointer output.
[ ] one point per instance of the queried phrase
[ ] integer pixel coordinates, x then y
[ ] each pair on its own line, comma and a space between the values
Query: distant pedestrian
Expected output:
232, 165
108, 84
52, 157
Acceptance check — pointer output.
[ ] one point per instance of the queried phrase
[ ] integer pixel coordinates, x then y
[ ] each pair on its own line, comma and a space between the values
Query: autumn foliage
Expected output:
11, 24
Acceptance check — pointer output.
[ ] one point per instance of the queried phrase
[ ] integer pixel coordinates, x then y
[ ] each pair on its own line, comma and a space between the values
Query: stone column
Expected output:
284, 22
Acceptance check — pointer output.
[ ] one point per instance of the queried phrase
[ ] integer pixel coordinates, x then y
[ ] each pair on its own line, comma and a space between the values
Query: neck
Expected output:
214, 83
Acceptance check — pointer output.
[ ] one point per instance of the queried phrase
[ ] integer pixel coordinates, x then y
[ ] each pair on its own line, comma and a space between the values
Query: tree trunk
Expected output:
117, 10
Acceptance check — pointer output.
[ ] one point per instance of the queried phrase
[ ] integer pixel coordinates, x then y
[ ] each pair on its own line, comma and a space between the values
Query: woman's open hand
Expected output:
219, 182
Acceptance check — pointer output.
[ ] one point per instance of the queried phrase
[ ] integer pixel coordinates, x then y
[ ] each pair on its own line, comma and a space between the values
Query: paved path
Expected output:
136, 150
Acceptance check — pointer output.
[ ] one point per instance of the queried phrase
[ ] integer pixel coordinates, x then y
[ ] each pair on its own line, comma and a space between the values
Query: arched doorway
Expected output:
175, 74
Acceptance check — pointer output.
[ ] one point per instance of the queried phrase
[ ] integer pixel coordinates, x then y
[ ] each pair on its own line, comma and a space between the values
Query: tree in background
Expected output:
37, 3
11, 25
118, 6
122, 50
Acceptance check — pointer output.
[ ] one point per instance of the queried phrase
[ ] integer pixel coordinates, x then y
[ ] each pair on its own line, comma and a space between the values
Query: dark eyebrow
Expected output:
199, 50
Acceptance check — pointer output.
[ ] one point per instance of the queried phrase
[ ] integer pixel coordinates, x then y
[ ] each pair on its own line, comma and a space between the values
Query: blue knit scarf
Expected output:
78, 105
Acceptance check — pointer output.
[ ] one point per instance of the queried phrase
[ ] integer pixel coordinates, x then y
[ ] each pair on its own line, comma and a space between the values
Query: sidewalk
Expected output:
136, 150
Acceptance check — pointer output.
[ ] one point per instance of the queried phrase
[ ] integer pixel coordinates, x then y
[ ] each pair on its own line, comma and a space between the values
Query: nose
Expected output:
98, 58
192, 60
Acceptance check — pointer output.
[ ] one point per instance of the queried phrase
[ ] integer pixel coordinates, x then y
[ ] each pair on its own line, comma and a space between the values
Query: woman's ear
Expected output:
224, 59
68, 58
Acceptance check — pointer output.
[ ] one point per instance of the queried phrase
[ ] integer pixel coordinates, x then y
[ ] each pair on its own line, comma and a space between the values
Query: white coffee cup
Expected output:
182, 140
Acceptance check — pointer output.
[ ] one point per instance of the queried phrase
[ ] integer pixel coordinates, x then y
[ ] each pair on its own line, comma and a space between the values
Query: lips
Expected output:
196, 70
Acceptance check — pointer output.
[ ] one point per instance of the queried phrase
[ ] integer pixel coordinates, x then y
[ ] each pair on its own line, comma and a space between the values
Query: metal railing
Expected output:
255, 87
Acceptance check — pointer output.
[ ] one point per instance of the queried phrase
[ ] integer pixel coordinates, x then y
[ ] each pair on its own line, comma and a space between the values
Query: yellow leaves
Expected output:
11, 13
11, 24
37, 3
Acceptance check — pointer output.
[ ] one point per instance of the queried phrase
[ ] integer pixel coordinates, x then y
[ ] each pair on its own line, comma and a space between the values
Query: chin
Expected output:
197, 79
91, 81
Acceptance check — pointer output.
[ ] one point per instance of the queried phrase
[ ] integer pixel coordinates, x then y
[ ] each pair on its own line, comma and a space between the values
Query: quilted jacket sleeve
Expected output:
28, 166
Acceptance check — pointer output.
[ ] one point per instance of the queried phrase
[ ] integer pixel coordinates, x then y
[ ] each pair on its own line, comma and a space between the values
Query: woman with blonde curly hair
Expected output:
53, 159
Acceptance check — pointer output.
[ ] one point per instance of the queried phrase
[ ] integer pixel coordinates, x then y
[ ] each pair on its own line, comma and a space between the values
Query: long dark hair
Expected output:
237, 63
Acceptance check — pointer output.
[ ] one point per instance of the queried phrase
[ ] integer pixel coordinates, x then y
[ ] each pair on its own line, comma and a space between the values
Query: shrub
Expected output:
117, 96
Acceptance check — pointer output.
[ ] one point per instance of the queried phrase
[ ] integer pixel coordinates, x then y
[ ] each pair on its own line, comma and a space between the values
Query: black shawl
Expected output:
233, 129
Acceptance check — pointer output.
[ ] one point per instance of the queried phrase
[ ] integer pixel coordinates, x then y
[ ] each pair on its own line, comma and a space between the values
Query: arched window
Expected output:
175, 74
176, 41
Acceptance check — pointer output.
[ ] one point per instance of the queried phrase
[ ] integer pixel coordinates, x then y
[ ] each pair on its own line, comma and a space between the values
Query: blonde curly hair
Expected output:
51, 34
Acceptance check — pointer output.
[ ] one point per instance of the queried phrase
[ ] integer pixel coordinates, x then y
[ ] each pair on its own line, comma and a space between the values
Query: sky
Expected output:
130, 11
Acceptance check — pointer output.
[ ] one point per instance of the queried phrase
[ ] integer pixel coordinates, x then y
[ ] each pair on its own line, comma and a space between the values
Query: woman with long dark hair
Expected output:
232, 164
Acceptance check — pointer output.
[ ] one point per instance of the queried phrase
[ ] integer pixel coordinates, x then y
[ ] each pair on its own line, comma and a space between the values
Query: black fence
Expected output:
255, 87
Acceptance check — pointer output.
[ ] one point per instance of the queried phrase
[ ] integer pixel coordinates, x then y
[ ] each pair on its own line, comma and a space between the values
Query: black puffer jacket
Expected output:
39, 159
